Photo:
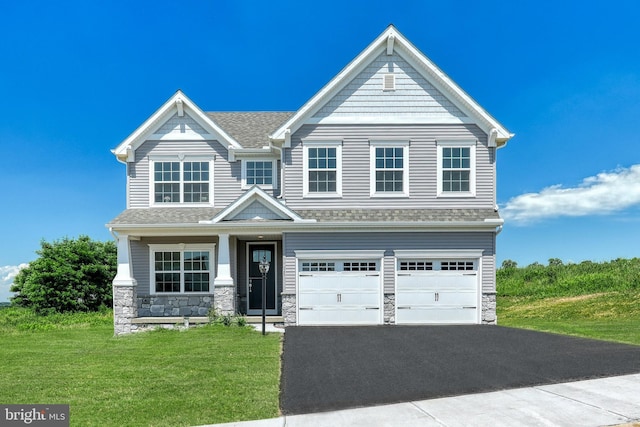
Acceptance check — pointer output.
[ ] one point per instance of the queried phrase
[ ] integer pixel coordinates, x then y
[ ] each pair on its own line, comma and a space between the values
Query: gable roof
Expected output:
391, 40
253, 195
181, 105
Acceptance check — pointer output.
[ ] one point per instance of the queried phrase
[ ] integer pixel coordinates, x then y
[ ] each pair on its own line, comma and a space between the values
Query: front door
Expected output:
258, 252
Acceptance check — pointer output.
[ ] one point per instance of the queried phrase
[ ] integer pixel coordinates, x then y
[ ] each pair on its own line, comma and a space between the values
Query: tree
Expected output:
70, 275
508, 263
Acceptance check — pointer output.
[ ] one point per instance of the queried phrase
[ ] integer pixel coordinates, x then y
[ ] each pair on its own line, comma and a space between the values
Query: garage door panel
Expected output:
342, 297
437, 295
443, 315
438, 280
339, 297
338, 316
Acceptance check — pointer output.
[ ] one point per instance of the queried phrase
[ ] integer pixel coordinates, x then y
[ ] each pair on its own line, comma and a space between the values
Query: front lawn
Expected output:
205, 375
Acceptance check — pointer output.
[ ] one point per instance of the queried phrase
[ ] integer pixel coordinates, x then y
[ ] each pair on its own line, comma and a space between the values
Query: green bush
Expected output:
71, 275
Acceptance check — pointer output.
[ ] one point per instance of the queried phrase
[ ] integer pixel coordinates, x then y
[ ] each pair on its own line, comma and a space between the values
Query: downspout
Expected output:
281, 195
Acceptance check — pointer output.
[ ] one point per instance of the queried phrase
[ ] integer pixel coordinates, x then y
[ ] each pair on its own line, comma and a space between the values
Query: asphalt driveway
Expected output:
331, 368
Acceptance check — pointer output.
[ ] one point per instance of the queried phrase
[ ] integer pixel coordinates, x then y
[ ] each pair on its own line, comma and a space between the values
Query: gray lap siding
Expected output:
356, 166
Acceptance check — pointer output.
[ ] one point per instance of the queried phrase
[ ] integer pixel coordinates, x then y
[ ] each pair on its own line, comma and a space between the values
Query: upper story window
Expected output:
389, 168
258, 172
181, 268
187, 182
456, 168
322, 168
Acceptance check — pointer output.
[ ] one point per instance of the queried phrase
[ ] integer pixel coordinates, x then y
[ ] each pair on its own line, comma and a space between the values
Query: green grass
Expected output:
210, 374
592, 300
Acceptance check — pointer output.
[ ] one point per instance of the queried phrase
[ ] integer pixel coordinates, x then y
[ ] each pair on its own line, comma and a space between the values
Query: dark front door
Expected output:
257, 252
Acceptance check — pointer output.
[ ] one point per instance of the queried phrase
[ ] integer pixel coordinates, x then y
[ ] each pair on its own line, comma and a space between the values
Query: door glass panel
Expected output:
260, 254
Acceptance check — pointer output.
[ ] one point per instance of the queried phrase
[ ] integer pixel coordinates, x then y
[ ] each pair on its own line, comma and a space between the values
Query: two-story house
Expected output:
374, 203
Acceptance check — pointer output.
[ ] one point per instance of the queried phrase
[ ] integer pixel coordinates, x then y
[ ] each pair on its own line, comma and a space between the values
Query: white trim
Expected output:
318, 143
124, 151
180, 158
339, 254
255, 193
275, 271
373, 144
274, 174
182, 247
454, 143
438, 253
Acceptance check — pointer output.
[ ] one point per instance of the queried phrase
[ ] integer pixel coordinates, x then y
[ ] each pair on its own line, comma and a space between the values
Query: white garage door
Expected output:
437, 291
339, 292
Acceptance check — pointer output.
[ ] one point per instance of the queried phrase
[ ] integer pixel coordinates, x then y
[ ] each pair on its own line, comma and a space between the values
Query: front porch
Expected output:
228, 270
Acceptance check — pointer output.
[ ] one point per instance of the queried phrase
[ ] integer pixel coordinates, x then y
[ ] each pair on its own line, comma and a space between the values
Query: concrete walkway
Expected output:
598, 402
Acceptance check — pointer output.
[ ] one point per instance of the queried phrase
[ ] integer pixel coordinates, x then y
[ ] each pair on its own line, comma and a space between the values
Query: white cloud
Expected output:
605, 193
7, 274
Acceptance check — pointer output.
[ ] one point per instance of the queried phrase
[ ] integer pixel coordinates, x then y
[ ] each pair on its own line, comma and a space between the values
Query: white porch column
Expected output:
223, 272
125, 304
223, 285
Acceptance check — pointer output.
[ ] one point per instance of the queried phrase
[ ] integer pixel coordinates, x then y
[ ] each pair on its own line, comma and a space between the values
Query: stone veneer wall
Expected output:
124, 309
389, 308
174, 305
289, 309
489, 316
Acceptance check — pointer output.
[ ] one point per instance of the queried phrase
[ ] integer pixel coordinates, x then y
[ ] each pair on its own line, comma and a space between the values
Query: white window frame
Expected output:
457, 143
373, 144
306, 145
182, 248
182, 159
274, 173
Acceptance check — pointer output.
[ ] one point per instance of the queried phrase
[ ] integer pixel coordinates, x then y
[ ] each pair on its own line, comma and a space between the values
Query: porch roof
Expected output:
193, 215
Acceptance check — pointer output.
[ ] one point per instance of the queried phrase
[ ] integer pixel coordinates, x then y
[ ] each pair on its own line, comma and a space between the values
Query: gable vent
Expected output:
389, 82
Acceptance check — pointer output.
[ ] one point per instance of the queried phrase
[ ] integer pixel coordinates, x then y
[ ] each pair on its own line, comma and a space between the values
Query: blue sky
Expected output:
78, 77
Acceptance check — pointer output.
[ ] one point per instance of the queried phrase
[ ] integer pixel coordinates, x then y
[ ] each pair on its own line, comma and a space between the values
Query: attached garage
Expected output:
339, 291
437, 290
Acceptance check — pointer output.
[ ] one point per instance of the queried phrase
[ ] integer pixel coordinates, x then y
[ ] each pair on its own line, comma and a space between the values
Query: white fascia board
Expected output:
378, 46
133, 141
417, 60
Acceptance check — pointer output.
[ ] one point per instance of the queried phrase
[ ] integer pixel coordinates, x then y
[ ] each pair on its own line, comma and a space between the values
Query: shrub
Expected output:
71, 275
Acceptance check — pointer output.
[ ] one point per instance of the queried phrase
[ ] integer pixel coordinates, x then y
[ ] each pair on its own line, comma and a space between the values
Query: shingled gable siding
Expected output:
413, 95
226, 179
390, 242
422, 166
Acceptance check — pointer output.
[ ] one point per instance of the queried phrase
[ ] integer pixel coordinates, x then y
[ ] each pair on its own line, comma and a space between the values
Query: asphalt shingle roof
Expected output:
192, 215
251, 128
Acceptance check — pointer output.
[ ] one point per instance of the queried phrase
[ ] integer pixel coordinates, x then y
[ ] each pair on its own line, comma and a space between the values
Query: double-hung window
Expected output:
456, 168
181, 181
181, 269
322, 168
258, 172
389, 168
